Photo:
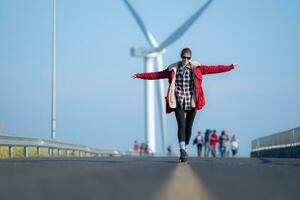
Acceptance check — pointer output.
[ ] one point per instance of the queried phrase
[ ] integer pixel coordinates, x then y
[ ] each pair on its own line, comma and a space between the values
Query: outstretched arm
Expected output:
152, 75
205, 69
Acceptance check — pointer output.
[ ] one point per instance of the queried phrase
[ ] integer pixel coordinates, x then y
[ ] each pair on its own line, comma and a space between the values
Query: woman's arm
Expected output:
205, 69
152, 75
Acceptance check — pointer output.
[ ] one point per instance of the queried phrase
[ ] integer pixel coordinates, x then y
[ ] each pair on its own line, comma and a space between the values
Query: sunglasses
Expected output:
184, 57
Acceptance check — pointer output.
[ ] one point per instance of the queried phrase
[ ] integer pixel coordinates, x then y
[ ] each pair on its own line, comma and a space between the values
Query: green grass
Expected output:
3, 152
18, 152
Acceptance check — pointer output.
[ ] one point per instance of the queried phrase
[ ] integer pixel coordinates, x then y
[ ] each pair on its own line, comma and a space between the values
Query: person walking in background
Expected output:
220, 145
199, 141
136, 147
169, 150
185, 94
224, 142
207, 142
142, 149
213, 143
234, 142
147, 150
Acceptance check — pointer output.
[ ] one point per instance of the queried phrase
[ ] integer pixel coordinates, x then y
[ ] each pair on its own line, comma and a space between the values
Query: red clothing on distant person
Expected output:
136, 148
213, 139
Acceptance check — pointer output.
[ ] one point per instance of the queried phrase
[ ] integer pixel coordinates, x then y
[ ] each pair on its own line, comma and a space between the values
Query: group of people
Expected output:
210, 141
142, 149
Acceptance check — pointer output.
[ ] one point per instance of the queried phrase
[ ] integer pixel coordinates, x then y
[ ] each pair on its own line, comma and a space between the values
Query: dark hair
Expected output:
186, 50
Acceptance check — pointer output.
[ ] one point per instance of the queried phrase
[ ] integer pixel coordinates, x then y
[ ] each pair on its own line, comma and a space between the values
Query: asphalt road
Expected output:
149, 178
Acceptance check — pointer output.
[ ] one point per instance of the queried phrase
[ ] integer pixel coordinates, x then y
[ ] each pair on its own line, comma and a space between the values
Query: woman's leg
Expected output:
180, 118
213, 150
206, 149
190, 116
200, 149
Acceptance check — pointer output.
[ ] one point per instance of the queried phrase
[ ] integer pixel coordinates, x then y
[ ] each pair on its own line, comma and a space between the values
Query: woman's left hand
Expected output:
235, 65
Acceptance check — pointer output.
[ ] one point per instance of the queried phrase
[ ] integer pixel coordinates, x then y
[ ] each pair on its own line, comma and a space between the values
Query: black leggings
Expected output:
185, 124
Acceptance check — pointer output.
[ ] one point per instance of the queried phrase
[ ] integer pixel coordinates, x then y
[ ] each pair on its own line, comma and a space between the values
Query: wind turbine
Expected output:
150, 55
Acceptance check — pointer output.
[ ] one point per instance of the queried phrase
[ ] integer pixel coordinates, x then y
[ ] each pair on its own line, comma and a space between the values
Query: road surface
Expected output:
149, 178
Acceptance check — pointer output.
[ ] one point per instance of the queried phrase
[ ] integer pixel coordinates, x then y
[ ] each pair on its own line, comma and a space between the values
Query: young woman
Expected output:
234, 145
213, 142
185, 94
223, 143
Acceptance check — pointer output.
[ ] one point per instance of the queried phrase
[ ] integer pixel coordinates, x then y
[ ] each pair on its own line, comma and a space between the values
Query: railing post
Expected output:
25, 151
52, 152
10, 151
49, 152
294, 141
258, 152
63, 152
38, 150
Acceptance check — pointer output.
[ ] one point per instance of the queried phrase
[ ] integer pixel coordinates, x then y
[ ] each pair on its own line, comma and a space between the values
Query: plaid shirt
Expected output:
184, 87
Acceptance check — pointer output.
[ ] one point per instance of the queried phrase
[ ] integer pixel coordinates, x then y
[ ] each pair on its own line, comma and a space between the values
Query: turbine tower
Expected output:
152, 56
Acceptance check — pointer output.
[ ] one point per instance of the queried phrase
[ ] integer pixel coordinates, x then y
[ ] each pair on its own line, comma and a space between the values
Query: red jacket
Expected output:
170, 73
213, 139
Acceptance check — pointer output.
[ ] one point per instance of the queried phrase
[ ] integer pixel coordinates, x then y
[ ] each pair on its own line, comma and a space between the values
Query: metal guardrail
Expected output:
55, 148
283, 144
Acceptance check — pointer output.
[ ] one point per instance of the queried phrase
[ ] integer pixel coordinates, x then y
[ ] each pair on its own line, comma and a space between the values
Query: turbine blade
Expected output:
149, 36
184, 27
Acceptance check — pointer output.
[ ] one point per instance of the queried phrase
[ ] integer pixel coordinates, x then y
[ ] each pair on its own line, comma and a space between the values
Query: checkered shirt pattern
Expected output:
184, 87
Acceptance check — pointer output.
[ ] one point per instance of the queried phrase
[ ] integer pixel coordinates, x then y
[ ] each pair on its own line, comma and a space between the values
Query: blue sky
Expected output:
98, 104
